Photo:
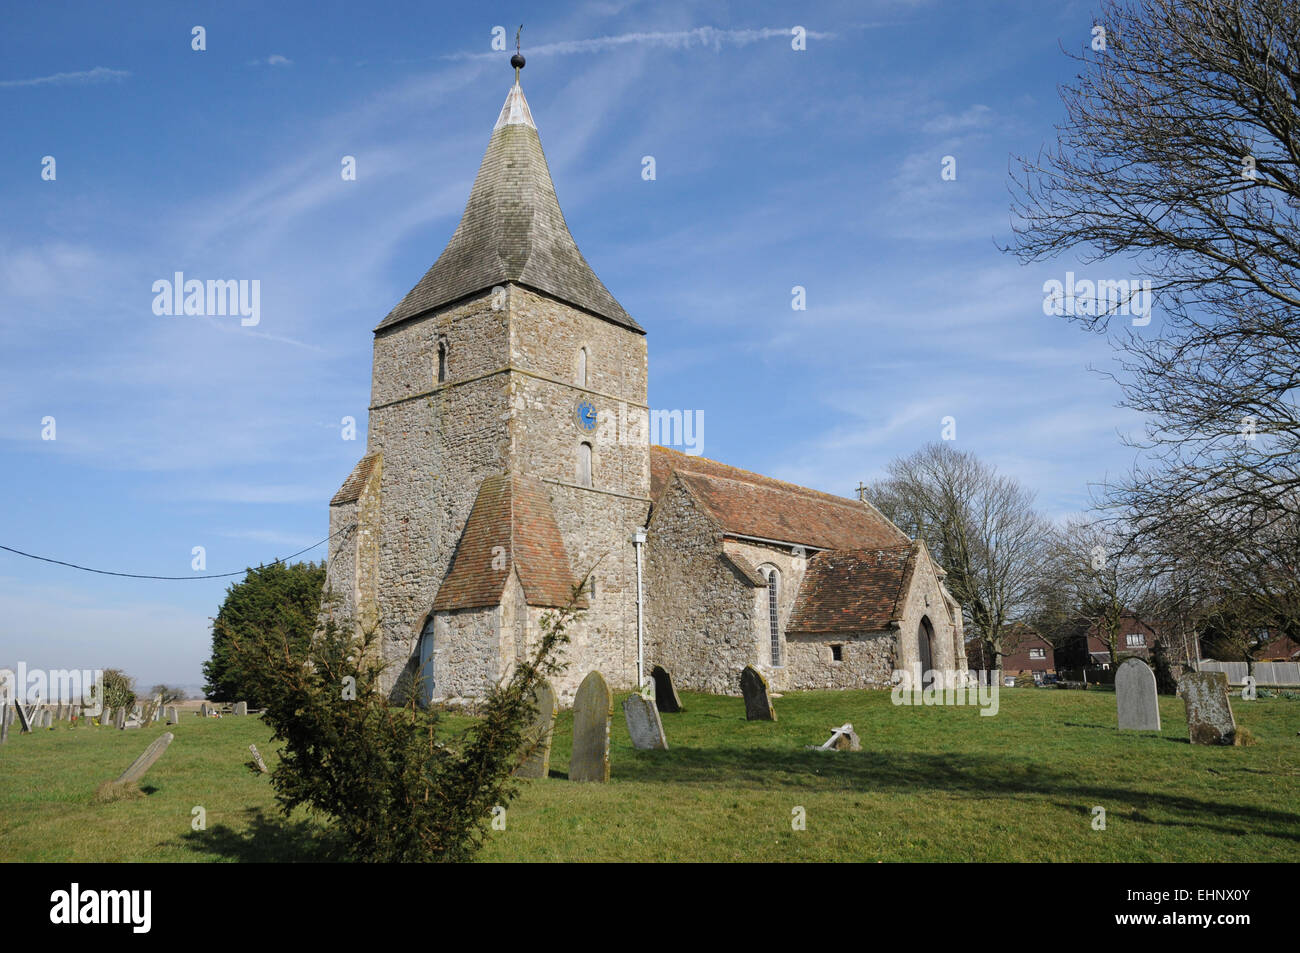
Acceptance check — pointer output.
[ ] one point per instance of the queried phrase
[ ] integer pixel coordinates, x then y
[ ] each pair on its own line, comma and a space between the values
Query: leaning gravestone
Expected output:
593, 707
1209, 713
1135, 696
758, 702
241, 708
257, 759
537, 737
146, 760
643, 723
665, 692
173, 717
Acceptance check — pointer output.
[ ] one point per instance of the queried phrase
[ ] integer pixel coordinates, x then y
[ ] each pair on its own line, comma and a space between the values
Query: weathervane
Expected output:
517, 61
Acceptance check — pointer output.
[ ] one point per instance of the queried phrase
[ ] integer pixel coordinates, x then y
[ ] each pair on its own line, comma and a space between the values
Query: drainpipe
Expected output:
638, 540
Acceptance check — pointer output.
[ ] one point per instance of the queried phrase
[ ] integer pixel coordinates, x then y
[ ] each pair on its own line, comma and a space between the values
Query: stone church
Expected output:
499, 470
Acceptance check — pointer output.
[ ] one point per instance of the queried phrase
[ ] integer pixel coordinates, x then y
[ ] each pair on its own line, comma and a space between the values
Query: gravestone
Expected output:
758, 702
241, 708
58, 711
48, 718
24, 718
106, 716
537, 737
146, 760
203, 710
843, 738
119, 718
173, 716
665, 692
593, 707
257, 759
1135, 696
643, 723
1209, 713
6, 718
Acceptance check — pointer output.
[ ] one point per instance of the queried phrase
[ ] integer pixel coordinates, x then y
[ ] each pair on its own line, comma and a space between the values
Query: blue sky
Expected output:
774, 168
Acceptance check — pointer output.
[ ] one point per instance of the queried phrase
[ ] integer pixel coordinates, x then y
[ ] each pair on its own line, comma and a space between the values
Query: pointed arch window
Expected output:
774, 614
580, 376
584, 464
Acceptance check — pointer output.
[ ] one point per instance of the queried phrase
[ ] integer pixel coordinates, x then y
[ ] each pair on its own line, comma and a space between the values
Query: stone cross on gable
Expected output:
862, 492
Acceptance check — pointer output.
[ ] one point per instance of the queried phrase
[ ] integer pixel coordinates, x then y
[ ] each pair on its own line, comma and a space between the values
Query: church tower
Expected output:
506, 453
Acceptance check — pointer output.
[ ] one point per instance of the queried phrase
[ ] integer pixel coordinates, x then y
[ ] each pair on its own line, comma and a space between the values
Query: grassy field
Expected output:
931, 784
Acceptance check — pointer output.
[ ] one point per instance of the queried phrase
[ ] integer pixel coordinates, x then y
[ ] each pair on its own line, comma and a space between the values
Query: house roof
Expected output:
511, 525
512, 230
351, 489
854, 590
749, 504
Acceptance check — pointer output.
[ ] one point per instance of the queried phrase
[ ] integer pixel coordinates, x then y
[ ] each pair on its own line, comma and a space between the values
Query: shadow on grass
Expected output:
267, 839
977, 777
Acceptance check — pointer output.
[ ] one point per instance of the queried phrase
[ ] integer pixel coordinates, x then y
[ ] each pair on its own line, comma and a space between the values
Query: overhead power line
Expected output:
136, 575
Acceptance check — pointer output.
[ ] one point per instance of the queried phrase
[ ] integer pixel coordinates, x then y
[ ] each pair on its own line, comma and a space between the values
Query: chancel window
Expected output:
773, 614
584, 464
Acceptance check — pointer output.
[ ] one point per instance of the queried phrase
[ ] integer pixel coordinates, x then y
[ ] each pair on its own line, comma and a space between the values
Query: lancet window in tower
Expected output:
580, 378
442, 361
584, 464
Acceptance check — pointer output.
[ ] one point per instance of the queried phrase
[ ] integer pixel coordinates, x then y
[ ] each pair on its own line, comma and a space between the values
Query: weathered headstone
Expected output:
119, 718
106, 716
6, 717
593, 707
643, 723
146, 760
1135, 696
203, 710
257, 759
666, 699
537, 737
1209, 713
758, 701
843, 738
241, 708
48, 716
173, 716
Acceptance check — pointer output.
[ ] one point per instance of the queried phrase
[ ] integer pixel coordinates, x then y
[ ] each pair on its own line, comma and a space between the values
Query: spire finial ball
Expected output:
517, 61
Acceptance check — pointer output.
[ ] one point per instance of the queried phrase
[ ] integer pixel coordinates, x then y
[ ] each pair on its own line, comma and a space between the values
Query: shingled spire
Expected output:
512, 230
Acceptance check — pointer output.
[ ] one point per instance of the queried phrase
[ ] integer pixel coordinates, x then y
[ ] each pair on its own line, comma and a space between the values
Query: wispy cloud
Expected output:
100, 74
705, 37
275, 59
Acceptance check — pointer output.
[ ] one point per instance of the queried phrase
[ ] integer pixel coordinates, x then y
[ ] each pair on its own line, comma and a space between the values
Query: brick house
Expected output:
1028, 653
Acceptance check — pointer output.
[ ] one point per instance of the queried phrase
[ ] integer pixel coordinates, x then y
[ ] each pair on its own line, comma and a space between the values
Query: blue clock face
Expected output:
586, 415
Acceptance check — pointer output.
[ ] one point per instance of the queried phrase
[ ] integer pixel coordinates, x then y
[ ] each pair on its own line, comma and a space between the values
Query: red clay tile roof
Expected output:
749, 504
351, 489
853, 591
510, 525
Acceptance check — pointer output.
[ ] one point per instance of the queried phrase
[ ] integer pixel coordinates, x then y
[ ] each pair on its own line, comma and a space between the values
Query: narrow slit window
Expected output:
442, 362
581, 376
837, 653
584, 464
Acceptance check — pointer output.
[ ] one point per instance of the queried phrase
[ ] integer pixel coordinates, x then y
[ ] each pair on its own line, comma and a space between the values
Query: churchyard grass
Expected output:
930, 784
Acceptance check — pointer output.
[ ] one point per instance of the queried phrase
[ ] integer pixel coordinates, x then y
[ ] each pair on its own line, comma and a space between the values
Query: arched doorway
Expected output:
925, 650
424, 672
